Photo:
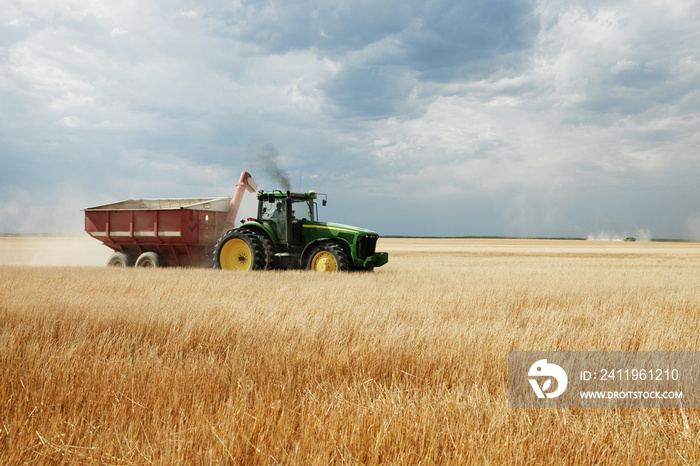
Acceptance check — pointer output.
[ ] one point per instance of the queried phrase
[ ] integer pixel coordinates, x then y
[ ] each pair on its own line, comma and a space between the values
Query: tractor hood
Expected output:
338, 227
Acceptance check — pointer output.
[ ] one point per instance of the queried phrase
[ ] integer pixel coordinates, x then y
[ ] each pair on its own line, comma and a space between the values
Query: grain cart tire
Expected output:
120, 259
328, 257
149, 259
239, 250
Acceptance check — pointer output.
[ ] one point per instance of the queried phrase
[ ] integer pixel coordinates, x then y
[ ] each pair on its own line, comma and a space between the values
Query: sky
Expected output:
535, 118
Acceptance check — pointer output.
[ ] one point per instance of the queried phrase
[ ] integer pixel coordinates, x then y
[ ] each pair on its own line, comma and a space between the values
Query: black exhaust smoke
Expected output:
269, 155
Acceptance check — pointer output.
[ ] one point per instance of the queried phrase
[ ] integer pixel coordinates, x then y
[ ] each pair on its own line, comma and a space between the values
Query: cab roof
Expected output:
280, 194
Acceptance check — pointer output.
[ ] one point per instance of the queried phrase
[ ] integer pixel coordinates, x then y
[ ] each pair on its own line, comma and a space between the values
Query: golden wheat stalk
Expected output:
404, 365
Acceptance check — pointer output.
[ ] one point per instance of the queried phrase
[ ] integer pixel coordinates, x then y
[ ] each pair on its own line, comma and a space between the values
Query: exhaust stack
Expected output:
245, 182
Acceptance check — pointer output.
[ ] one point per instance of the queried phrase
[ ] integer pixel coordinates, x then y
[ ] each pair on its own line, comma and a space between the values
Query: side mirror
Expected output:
324, 202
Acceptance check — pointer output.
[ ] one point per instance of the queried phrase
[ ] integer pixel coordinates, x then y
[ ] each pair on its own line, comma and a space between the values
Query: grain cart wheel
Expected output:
328, 257
239, 250
120, 259
149, 259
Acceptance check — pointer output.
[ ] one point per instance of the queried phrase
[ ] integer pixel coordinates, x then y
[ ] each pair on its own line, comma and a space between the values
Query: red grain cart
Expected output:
165, 232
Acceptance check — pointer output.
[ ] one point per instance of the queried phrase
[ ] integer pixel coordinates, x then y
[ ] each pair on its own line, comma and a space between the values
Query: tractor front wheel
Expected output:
328, 257
239, 250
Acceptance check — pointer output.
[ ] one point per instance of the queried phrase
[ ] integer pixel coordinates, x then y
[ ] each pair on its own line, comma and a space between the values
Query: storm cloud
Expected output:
507, 118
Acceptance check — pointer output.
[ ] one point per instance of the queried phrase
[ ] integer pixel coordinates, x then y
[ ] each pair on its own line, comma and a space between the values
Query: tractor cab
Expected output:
286, 212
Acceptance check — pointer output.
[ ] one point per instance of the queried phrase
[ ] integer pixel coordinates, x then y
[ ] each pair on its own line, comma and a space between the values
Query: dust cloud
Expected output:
52, 251
640, 235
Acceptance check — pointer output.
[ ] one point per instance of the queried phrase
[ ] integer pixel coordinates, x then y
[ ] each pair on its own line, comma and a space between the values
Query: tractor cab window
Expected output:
302, 210
272, 210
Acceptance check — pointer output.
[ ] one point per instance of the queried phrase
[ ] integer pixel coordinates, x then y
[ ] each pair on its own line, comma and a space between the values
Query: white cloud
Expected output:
117, 31
190, 14
70, 121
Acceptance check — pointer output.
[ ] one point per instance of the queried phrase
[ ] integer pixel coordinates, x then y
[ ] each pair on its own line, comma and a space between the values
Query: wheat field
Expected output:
405, 365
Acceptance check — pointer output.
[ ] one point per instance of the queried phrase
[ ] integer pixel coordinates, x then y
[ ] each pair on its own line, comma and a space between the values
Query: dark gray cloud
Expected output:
432, 35
385, 47
333, 28
471, 39
370, 91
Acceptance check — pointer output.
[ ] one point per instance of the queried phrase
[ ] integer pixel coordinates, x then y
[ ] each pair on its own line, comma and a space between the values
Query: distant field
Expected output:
404, 365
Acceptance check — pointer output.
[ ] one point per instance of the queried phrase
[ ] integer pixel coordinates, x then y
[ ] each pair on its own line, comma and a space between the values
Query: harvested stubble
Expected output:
404, 365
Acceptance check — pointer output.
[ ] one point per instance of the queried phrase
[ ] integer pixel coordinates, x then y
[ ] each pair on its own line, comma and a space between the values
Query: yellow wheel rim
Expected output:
324, 261
235, 255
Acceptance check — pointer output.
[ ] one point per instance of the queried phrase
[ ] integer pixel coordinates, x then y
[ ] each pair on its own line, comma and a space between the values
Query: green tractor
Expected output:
286, 235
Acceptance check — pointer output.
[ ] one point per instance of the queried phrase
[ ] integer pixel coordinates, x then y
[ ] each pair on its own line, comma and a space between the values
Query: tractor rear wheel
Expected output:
239, 250
328, 257
120, 259
268, 249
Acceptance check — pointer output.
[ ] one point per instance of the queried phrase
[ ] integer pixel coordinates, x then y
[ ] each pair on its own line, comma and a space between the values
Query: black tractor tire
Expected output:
149, 259
328, 257
120, 259
268, 249
240, 250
